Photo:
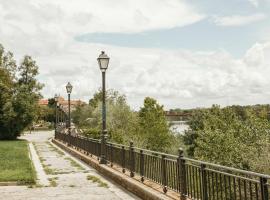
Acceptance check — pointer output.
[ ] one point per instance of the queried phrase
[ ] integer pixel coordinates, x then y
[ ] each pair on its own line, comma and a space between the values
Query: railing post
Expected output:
67, 141
142, 165
86, 147
123, 159
264, 188
98, 148
111, 150
182, 174
204, 182
131, 159
164, 174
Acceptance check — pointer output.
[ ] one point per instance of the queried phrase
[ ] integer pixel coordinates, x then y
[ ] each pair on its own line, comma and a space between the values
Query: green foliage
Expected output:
51, 103
97, 98
82, 115
231, 136
19, 94
176, 143
147, 128
195, 124
121, 120
45, 113
153, 126
97, 180
7, 85
92, 132
45, 116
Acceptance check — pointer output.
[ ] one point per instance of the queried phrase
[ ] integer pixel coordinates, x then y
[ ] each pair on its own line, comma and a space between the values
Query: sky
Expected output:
184, 53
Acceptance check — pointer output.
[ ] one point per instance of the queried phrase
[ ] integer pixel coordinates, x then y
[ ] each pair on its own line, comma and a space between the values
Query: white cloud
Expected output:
254, 2
238, 20
177, 78
86, 16
259, 3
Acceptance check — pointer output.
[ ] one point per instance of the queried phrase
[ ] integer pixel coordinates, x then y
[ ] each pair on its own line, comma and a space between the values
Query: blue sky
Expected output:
201, 36
184, 53
204, 35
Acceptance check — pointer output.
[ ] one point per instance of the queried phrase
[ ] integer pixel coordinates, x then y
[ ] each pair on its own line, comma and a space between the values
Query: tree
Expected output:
121, 120
190, 136
19, 94
93, 102
153, 126
45, 113
147, 128
51, 102
8, 63
25, 101
7, 85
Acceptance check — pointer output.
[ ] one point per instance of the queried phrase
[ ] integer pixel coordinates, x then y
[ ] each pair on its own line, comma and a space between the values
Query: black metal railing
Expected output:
193, 179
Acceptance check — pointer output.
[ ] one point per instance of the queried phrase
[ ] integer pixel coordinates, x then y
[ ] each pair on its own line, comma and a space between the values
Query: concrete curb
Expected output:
10, 184
128, 183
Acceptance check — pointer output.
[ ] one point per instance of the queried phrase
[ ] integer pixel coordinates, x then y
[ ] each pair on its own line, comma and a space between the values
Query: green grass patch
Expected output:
53, 182
53, 148
97, 180
48, 170
74, 163
35, 186
15, 164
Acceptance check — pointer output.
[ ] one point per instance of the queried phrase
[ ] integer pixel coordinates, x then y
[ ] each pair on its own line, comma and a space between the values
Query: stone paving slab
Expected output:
67, 177
41, 176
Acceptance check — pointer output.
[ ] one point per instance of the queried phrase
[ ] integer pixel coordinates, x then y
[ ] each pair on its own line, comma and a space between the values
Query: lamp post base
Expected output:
103, 159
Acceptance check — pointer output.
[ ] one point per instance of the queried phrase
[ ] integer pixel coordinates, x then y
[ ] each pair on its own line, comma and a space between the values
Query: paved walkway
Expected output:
62, 177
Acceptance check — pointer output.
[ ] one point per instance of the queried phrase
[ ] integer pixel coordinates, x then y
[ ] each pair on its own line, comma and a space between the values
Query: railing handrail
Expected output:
198, 161
118, 145
229, 168
87, 138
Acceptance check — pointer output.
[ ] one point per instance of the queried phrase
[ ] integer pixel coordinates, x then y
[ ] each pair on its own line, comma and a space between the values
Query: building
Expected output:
73, 103
63, 102
177, 116
43, 102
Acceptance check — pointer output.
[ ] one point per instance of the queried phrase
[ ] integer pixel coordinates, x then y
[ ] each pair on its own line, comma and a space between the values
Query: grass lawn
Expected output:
15, 164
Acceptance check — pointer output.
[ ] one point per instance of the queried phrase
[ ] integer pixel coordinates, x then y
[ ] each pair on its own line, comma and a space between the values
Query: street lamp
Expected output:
69, 90
103, 61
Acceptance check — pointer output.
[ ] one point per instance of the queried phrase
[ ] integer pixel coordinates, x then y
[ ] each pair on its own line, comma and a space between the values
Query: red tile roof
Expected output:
43, 102
63, 102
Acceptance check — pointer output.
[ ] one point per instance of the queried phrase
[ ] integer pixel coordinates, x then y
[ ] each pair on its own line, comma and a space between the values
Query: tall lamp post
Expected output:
69, 90
103, 61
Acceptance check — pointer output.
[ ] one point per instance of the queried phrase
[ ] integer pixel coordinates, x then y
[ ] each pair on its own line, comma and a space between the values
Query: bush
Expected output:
91, 133
229, 137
